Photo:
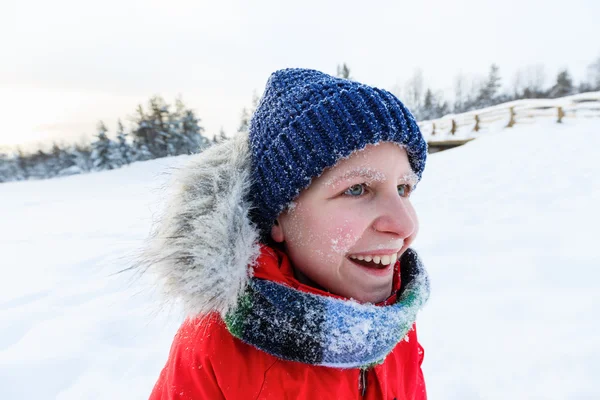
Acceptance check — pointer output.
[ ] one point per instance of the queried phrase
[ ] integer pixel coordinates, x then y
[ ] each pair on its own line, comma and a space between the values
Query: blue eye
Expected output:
404, 190
355, 190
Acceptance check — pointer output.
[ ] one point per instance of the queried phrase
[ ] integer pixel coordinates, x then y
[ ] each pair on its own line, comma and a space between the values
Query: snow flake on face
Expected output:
344, 241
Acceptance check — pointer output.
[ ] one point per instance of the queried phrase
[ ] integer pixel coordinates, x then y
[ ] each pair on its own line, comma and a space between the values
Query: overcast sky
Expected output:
65, 64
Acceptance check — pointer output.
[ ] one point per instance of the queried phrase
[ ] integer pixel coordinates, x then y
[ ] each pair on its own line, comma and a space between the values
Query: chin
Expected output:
371, 296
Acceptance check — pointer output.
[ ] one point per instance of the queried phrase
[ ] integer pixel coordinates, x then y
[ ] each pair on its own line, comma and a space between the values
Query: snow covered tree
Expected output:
21, 161
62, 161
38, 165
141, 152
161, 133
82, 156
159, 127
151, 134
594, 74
433, 106
191, 139
489, 89
8, 168
563, 85
105, 152
125, 150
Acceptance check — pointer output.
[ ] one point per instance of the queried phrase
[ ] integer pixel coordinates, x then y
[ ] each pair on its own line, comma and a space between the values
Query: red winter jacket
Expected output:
207, 362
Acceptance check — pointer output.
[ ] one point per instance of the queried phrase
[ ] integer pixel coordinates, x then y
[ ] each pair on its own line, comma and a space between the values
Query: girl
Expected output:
289, 249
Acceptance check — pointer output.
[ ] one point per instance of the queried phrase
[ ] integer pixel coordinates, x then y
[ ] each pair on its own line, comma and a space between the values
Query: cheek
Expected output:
325, 233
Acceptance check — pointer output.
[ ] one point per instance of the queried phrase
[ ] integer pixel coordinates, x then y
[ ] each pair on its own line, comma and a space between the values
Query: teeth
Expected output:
383, 260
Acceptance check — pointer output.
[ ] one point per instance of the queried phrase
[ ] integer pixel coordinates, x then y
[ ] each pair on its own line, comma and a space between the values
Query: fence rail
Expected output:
460, 128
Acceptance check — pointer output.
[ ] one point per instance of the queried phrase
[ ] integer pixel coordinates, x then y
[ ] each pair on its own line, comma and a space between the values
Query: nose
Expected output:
396, 216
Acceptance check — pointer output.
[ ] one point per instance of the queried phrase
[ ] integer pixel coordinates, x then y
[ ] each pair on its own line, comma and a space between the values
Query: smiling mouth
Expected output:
369, 264
375, 261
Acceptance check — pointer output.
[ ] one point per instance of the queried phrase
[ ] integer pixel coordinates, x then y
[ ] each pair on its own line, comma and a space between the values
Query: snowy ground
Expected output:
509, 225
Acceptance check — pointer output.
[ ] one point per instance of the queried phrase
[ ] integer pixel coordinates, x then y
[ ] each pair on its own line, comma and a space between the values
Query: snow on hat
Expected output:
306, 121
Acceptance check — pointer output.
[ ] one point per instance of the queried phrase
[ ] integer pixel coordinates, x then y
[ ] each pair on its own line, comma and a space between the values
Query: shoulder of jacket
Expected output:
204, 336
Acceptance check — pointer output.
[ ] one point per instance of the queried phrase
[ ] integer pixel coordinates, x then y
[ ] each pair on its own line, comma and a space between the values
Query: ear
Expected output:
277, 232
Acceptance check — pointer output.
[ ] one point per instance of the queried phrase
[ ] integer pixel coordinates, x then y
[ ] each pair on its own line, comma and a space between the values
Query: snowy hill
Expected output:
509, 224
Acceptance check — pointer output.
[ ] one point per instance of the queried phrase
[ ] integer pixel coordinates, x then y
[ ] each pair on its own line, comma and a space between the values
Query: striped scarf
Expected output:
320, 330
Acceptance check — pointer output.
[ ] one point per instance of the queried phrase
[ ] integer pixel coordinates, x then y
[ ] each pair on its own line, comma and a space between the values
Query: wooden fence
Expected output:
455, 129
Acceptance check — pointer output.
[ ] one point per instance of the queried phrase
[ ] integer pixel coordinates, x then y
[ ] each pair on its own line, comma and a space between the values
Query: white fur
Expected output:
204, 248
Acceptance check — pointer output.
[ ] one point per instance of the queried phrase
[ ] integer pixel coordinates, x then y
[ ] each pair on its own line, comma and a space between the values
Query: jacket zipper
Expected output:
362, 382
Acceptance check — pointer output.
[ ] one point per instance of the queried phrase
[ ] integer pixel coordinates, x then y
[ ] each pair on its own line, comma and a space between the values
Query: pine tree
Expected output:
489, 90
7, 168
10, 168
428, 110
161, 132
38, 165
151, 136
63, 162
434, 106
21, 161
192, 131
563, 86
141, 152
105, 153
82, 156
125, 149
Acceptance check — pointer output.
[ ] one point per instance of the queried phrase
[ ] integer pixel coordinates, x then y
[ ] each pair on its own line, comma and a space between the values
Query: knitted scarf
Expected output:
320, 330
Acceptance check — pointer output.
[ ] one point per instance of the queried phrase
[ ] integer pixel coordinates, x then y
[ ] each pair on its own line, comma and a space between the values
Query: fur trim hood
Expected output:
204, 247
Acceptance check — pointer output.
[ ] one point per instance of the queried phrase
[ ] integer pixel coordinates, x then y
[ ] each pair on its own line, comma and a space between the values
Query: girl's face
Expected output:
345, 231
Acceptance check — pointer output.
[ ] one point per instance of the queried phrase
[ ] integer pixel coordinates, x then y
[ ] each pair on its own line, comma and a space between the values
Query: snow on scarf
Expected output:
320, 330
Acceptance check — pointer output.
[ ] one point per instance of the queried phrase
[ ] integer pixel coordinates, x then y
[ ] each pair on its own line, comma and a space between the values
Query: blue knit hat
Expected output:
306, 121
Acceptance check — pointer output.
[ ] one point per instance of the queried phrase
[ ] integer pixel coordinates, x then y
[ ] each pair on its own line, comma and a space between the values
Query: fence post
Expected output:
433, 129
561, 115
453, 130
512, 117
476, 123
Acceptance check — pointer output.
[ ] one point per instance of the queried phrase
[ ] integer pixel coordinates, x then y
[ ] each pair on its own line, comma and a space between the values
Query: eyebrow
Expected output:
371, 175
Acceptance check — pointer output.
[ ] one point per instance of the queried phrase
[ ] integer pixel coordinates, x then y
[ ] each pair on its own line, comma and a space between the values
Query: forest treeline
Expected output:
163, 130
473, 93
160, 130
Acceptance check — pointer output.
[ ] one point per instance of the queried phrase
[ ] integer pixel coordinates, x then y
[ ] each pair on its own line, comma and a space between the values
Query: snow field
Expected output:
509, 224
